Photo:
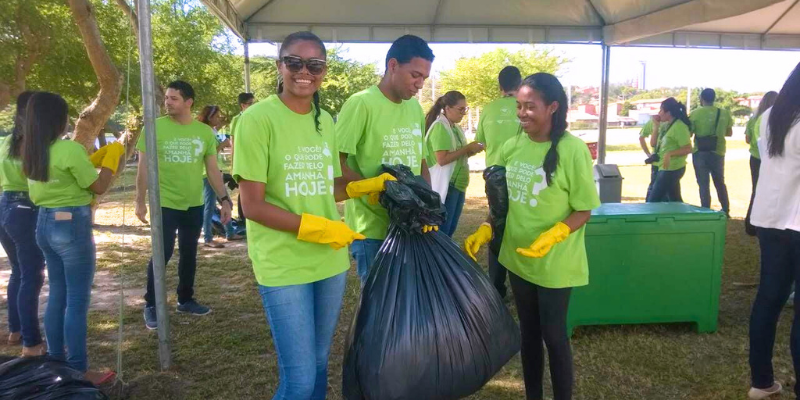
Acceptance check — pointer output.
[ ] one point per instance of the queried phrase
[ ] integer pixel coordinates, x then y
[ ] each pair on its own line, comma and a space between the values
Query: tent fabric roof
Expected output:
736, 24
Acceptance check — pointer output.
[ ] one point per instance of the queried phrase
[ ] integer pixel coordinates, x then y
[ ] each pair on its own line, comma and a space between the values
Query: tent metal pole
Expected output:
601, 140
156, 226
246, 66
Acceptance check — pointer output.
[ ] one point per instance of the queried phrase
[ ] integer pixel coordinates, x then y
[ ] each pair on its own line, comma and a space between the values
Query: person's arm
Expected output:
103, 181
643, 143
348, 175
444, 157
216, 182
729, 133
426, 174
232, 149
683, 151
141, 188
655, 134
256, 209
577, 220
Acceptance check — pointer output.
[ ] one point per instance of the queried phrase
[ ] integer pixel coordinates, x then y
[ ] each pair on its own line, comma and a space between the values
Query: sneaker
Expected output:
214, 245
150, 318
758, 394
194, 308
235, 237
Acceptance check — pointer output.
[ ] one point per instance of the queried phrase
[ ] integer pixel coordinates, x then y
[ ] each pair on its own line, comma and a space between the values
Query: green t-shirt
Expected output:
373, 131
676, 137
752, 131
182, 151
234, 122
70, 175
647, 130
439, 139
283, 150
498, 123
535, 207
11, 177
703, 120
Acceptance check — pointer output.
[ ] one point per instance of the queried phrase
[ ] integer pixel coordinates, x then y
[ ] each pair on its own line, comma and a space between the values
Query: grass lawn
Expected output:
229, 354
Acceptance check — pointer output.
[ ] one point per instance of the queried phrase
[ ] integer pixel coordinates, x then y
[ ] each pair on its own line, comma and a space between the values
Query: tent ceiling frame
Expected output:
781, 17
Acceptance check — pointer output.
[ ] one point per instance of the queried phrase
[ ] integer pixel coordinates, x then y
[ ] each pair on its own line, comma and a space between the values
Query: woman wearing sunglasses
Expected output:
288, 169
448, 152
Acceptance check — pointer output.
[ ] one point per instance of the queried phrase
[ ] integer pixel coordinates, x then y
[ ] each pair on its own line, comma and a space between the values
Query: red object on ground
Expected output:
592, 149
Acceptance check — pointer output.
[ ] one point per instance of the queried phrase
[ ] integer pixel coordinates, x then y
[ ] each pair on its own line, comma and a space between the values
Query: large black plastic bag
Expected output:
43, 378
430, 325
497, 194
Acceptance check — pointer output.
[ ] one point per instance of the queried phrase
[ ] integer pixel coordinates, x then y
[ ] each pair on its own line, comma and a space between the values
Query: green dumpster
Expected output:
651, 263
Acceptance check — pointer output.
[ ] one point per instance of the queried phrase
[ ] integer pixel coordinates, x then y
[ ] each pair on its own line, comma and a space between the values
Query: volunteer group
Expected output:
293, 163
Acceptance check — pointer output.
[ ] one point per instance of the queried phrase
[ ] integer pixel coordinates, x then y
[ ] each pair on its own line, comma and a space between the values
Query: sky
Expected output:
740, 70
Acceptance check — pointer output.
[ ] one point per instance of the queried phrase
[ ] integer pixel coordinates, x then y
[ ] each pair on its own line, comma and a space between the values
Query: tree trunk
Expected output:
94, 117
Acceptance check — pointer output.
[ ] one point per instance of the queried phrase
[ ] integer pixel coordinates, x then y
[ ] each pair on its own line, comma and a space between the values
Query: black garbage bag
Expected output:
44, 378
429, 326
497, 194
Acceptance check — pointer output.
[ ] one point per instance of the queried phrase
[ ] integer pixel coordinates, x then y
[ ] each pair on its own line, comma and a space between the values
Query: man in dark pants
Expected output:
497, 124
186, 147
710, 120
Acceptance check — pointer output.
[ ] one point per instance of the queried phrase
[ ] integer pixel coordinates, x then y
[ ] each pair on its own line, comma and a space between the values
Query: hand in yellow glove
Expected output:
321, 230
542, 245
430, 228
371, 186
474, 242
108, 156
97, 157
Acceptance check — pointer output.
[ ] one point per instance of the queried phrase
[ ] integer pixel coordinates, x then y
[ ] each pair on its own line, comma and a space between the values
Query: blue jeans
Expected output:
364, 252
18, 237
302, 319
209, 204
667, 187
454, 204
780, 268
709, 163
65, 237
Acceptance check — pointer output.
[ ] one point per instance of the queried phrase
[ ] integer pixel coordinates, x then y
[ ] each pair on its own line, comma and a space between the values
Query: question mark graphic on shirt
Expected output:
199, 147
538, 186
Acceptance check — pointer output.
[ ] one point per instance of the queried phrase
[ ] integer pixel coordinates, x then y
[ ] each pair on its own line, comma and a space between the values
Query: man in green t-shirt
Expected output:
186, 148
498, 123
245, 101
383, 125
710, 120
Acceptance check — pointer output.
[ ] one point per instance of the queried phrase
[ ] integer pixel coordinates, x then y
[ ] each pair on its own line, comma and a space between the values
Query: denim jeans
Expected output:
209, 204
18, 237
709, 163
364, 252
755, 166
186, 224
675, 192
65, 236
454, 204
667, 187
780, 268
302, 319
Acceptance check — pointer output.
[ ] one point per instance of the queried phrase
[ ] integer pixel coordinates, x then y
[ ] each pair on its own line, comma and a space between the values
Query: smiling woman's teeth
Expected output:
307, 82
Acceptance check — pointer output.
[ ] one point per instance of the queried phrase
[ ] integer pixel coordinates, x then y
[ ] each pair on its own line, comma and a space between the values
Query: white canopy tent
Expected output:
720, 24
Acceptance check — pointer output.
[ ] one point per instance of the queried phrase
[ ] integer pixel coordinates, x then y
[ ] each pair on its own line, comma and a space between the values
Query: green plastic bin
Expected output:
651, 263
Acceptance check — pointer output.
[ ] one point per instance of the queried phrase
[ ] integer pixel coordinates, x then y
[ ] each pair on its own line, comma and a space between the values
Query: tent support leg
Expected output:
603, 124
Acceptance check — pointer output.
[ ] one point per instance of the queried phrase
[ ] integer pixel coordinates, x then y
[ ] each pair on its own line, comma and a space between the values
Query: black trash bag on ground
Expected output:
44, 378
497, 194
429, 326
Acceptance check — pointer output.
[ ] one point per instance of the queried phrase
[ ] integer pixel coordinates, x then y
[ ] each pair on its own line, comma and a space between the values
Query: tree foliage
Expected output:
476, 77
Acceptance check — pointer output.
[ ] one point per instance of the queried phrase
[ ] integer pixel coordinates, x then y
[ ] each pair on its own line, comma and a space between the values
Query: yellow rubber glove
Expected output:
97, 157
430, 228
321, 230
111, 160
542, 245
474, 242
371, 186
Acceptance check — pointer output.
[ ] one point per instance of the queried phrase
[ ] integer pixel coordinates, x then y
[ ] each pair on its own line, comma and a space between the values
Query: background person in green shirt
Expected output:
497, 124
672, 148
18, 236
289, 173
645, 133
62, 181
245, 101
751, 135
551, 193
186, 148
383, 125
704, 123
446, 145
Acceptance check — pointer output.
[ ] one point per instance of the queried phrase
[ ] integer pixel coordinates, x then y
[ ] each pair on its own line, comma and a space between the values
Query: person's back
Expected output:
710, 125
498, 121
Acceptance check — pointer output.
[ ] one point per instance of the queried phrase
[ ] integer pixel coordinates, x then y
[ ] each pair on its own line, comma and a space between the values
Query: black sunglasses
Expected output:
295, 64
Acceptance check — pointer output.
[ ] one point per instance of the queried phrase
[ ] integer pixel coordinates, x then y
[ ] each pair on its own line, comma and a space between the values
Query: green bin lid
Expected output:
651, 211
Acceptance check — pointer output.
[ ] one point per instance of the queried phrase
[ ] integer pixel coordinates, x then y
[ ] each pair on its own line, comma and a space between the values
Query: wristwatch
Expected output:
224, 199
